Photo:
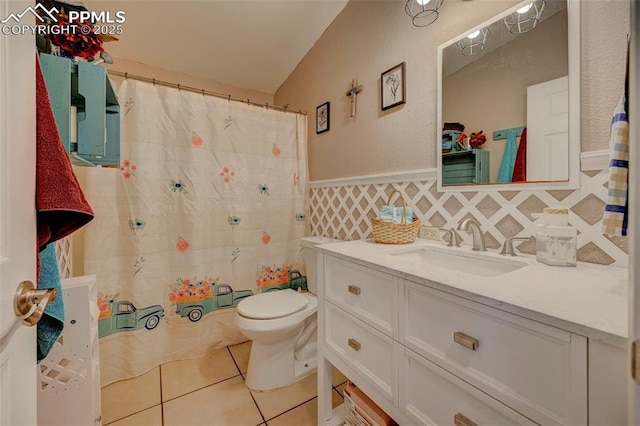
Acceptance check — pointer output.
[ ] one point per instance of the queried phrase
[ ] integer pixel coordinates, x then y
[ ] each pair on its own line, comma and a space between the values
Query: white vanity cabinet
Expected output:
536, 370
430, 357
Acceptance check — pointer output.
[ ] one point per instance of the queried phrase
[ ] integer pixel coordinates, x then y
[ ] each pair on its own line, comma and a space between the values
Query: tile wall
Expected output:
344, 212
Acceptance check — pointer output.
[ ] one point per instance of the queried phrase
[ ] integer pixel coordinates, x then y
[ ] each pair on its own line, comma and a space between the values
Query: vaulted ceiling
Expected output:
251, 44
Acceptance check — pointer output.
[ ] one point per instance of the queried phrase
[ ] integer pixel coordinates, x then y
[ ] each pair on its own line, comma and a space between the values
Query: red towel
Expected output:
60, 204
520, 166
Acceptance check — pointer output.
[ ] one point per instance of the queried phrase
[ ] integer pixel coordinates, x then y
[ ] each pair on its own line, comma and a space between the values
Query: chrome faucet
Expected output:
454, 238
507, 247
478, 239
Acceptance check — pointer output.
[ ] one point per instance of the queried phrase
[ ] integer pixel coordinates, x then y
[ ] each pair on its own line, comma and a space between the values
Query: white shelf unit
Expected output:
69, 377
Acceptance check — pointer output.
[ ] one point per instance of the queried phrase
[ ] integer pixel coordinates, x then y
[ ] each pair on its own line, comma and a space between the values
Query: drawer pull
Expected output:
462, 420
465, 340
355, 345
354, 290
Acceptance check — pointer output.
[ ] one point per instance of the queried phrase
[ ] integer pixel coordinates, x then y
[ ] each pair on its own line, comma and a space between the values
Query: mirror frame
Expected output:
573, 40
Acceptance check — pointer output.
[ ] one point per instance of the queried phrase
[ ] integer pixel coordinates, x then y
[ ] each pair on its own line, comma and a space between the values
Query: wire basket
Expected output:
395, 233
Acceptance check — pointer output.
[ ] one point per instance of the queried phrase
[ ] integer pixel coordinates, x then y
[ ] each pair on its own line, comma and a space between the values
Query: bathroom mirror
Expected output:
515, 73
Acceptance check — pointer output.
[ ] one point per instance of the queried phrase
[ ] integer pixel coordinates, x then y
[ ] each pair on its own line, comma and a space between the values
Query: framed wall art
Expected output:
323, 117
392, 87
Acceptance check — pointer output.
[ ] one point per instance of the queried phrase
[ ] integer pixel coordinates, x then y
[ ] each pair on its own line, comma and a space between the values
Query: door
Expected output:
548, 130
17, 218
634, 205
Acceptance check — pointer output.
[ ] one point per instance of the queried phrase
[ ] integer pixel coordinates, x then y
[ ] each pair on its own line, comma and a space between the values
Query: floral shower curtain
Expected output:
207, 207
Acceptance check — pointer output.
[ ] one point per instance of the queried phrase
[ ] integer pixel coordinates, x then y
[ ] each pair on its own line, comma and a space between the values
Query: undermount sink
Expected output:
460, 261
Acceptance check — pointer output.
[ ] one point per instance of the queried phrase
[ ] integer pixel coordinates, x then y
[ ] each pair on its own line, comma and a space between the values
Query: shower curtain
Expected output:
207, 207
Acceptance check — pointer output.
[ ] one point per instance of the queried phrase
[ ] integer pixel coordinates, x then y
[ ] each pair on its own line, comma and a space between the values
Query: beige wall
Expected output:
369, 37
486, 95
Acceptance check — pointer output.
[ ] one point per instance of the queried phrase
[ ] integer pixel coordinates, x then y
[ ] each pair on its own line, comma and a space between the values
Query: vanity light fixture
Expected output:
423, 12
474, 42
526, 18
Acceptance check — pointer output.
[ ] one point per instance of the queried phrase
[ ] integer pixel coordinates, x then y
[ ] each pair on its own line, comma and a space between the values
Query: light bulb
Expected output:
525, 9
473, 35
422, 2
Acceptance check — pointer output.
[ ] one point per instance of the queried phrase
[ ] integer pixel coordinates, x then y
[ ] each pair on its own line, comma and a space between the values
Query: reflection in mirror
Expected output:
505, 104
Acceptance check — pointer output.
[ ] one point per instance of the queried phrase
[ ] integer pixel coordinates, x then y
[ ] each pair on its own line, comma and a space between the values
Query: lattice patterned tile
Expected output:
594, 254
488, 206
501, 213
590, 209
509, 227
508, 195
621, 242
531, 205
436, 219
560, 194
64, 254
452, 206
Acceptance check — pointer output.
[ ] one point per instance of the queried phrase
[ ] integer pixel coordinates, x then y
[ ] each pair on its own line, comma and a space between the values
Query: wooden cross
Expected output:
352, 93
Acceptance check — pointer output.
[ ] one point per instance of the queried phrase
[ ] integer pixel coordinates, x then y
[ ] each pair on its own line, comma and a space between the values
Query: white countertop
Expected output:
590, 300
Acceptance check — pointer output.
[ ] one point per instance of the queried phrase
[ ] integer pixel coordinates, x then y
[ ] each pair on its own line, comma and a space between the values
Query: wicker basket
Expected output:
360, 410
395, 233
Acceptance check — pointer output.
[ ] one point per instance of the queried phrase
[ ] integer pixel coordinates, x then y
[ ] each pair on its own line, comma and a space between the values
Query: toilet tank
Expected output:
311, 260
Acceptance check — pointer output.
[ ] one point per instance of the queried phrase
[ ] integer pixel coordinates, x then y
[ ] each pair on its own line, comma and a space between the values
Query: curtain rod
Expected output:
126, 76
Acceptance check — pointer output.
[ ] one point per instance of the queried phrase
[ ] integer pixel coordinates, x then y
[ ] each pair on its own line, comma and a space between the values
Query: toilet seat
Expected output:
271, 305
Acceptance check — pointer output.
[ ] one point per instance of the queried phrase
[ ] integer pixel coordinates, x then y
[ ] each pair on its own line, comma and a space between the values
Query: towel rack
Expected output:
502, 134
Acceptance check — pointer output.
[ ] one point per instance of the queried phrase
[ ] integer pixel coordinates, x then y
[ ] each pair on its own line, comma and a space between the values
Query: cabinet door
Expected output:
363, 348
538, 370
431, 395
370, 295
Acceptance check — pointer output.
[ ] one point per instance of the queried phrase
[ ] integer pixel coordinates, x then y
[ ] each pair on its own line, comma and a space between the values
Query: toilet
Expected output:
282, 325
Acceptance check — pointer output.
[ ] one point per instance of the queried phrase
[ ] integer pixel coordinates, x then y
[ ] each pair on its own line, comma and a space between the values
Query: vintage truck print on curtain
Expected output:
280, 277
121, 315
195, 299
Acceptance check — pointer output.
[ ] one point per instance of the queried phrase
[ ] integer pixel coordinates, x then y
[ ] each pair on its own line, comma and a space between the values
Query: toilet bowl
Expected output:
282, 325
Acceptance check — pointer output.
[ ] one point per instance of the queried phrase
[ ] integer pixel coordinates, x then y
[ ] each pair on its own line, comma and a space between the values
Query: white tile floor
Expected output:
210, 391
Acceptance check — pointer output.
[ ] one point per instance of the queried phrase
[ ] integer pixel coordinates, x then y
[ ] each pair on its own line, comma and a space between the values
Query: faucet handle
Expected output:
454, 238
507, 247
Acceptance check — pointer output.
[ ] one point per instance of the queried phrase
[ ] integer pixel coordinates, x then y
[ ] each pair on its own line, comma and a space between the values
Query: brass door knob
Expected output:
29, 303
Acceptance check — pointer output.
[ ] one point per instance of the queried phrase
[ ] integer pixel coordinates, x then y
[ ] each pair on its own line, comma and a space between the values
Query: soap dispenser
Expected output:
556, 241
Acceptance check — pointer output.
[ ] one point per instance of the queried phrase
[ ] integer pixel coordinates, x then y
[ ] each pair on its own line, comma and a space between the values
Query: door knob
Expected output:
29, 303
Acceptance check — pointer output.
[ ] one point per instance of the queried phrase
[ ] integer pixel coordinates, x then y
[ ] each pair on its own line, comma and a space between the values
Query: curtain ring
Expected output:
285, 107
126, 75
266, 105
154, 81
248, 101
202, 92
229, 98
178, 87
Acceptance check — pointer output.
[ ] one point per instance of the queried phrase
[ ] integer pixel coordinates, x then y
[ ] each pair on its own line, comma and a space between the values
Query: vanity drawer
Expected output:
538, 370
370, 295
363, 348
430, 395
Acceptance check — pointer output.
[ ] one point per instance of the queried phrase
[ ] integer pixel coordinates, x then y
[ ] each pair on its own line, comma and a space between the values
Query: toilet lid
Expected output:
273, 304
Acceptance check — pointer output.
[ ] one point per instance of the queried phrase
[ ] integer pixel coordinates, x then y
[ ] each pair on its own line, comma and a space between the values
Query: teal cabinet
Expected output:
86, 110
465, 167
